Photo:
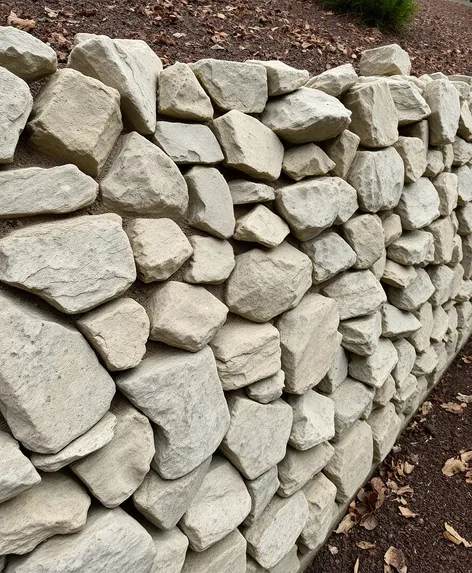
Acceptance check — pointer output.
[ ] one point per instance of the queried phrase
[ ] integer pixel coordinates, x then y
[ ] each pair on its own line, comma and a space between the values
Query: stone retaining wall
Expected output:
213, 327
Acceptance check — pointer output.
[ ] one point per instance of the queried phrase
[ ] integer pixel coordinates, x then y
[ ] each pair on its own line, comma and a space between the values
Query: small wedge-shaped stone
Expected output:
406, 359
170, 546
159, 246
444, 239
409, 103
337, 372
258, 434
166, 387
415, 294
378, 178
118, 331
187, 143
219, 506
49, 260
268, 389
129, 66
412, 248
306, 160
185, 316
281, 78
385, 393
114, 472
56, 505
413, 153
181, 96
418, 205
364, 234
246, 353
375, 369
392, 227
306, 115
24, 55
321, 495
385, 426
211, 262
464, 189
97, 437
374, 117
267, 283
308, 336
442, 278
110, 541
16, 103
385, 61
249, 146
342, 150
243, 192
334, 81
211, 205
261, 490
434, 162
313, 420
226, 556
38, 191
262, 226
443, 99
163, 502
347, 200
233, 85
462, 151
76, 119
309, 207
273, 534
351, 400
356, 293
143, 180
361, 335
17, 473
37, 354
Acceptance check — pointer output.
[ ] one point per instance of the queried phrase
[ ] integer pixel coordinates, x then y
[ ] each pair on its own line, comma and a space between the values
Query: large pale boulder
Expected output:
385, 61
281, 78
444, 239
267, 283
76, 119
306, 115
418, 205
397, 275
143, 180
320, 493
129, 66
288, 564
38, 354
374, 369
313, 420
211, 262
397, 323
308, 335
414, 295
334, 81
413, 153
181, 393
263, 226
17, 473
443, 99
361, 334
74, 264
410, 104
364, 234
411, 248
226, 556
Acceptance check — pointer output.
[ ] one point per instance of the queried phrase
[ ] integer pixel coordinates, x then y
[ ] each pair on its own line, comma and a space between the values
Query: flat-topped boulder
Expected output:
281, 78
385, 61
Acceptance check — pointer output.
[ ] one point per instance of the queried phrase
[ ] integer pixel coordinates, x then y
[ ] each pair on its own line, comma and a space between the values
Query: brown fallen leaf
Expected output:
396, 558
346, 525
464, 398
454, 408
453, 466
468, 477
451, 535
366, 545
369, 522
467, 359
356, 566
20, 23
404, 490
406, 512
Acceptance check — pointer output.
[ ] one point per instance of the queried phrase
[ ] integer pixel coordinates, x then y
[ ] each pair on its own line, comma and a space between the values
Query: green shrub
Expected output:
394, 14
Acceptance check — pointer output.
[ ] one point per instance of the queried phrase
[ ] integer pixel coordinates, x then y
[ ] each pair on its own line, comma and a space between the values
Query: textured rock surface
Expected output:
385, 61
226, 556
361, 334
211, 262
261, 490
262, 226
374, 369
342, 150
170, 546
443, 99
418, 205
334, 81
281, 78
306, 160
17, 474
268, 389
365, 235
313, 420
351, 400
243, 192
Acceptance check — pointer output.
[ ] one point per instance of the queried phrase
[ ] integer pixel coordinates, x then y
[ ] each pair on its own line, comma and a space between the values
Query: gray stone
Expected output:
464, 189
261, 225
418, 205
306, 160
143, 180
267, 283
462, 151
334, 81
243, 192
308, 336
412, 248
420, 339
306, 115
406, 391
361, 335
211, 205
418, 129
385, 61
268, 389
425, 362
434, 163
440, 324
378, 268
351, 400
392, 227
171, 548
321, 495
342, 150
374, 369
38, 191
398, 275
16, 103
396, 322
76, 119
37, 354
414, 295
17, 473
313, 420
258, 434
337, 372
385, 393
129, 66
181, 382
364, 234
226, 556
187, 143
115, 471
347, 200
288, 564
181, 96
465, 122
457, 253
443, 99
282, 79
448, 155
464, 216
56, 505
410, 105
233, 85
406, 360
211, 262
385, 425
465, 292
442, 278
413, 153
261, 490
443, 232
378, 178
185, 316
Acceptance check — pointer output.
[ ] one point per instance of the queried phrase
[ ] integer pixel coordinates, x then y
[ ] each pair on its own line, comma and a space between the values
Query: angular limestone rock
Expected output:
464, 189
392, 227
262, 226
396, 322
440, 324
308, 335
171, 548
434, 163
111, 540
281, 78
211, 262
38, 353
410, 105
187, 143
365, 235
444, 239
411, 248
268, 389
17, 473
385, 393
159, 246
464, 216
233, 85
442, 278
258, 434
465, 122
114, 472
306, 160
351, 401
313, 420
56, 505
16, 103
219, 506
243, 192
462, 151
413, 153
342, 150
443, 99
226, 556
181, 96
76, 119
143, 180
165, 387
337, 373
347, 199
306, 115
425, 362
129, 66
334, 81
321, 495
289, 564
267, 283
38, 191
375, 369
249, 146
414, 295
406, 359
163, 502
246, 353
385, 61
185, 316
418, 205
361, 335
385, 426
211, 205
261, 490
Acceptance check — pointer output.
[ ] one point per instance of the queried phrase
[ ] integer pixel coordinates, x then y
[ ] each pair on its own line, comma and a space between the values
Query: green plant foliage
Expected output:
393, 14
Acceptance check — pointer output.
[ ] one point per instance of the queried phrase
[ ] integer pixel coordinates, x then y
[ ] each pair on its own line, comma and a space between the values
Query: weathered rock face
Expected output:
17, 474
226, 556
365, 235
385, 61
334, 81
443, 99
313, 420
282, 79
171, 548
306, 161
211, 262
268, 389
418, 205
261, 226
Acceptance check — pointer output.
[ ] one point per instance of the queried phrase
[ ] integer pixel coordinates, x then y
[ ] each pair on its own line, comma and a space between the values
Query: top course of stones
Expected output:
306, 248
